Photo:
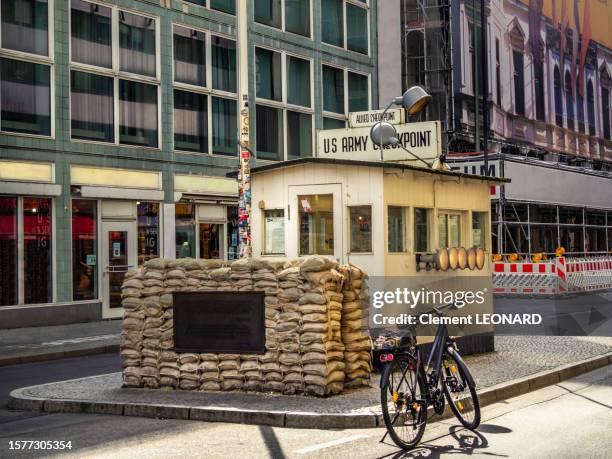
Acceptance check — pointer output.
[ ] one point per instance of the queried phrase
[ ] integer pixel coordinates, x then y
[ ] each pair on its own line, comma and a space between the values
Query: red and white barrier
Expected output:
560, 275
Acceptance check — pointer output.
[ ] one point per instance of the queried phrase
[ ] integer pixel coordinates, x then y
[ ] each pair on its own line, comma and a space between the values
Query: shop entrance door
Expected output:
315, 221
119, 253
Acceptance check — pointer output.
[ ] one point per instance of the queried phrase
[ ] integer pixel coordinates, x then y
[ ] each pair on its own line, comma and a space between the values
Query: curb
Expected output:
56, 355
19, 401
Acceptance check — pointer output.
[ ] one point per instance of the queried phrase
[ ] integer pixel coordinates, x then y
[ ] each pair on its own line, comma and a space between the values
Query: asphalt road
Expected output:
570, 419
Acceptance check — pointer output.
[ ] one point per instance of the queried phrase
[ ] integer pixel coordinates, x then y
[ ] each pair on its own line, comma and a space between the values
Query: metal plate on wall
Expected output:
219, 322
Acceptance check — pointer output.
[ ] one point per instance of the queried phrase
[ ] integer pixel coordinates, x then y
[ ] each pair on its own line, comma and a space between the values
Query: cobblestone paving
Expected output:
515, 357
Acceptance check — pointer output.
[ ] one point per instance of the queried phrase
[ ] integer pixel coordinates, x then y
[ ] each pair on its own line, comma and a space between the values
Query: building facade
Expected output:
120, 119
543, 76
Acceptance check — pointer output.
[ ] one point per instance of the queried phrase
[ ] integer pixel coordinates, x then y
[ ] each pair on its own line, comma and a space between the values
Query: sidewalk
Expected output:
521, 365
35, 344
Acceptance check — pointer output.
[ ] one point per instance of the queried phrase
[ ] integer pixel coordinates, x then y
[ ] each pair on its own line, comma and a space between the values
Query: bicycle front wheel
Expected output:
404, 402
460, 394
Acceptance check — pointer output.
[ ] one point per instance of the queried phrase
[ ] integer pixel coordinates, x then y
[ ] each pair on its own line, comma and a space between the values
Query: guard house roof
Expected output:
385, 165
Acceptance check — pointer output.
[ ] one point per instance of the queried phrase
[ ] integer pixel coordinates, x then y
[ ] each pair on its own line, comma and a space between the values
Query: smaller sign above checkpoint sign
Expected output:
371, 117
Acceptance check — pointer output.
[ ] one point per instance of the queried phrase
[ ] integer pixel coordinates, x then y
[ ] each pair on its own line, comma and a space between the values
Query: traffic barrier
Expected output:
558, 276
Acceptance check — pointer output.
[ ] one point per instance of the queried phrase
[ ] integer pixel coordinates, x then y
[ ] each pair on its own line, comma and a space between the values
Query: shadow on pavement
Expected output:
468, 442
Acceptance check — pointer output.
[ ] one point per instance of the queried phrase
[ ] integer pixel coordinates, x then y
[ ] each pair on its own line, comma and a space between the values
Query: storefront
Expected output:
380, 216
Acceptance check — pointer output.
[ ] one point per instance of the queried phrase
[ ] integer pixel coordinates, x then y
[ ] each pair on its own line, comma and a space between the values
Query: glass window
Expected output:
479, 228
569, 100
449, 230
37, 250
332, 22
268, 74
519, 83
358, 92
137, 44
148, 231
84, 250
421, 230
268, 12
396, 229
269, 133
298, 81
25, 25
91, 107
232, 233
316, 220
190, 121
356, 28
333, 89
189, 56
25, 97
210, 240
333, 123
227, 6
360, 228
91, 37
274, 232
443, 230
224, 126
8, 251
299, 134
185, 230
297, 17
137, 113
223, 64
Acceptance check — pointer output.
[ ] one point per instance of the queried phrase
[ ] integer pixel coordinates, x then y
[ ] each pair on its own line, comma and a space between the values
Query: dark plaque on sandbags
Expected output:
219, 322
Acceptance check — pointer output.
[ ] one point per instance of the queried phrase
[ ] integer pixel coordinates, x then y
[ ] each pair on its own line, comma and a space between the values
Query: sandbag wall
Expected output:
311, 347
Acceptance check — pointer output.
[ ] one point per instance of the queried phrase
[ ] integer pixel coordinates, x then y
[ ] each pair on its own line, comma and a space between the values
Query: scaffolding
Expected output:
427, 58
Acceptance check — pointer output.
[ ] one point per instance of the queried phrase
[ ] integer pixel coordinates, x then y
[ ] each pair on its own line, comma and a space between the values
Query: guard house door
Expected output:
315, 223
119, 253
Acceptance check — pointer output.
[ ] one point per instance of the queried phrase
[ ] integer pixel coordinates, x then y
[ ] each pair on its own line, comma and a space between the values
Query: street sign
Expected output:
371, 117
422, 139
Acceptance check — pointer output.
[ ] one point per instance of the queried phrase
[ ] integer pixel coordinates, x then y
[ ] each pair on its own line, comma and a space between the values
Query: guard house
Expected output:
382, 216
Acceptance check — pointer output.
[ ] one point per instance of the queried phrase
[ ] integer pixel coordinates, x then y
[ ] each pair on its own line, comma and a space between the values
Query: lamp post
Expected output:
414, 100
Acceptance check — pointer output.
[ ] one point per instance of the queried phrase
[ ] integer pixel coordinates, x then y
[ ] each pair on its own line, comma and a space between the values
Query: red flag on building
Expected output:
575, 38
584, 48
563, 44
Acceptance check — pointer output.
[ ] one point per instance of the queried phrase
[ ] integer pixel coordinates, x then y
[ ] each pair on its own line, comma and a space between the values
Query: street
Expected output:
570, 419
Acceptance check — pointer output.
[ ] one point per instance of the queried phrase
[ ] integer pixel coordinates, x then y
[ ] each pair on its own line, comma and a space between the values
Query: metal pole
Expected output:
244, 176
485, 88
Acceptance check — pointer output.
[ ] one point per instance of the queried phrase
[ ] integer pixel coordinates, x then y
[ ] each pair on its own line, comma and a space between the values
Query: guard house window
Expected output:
449, 229
360, 229
37, 251
421, 230
84, 250
396, 229
211, 240
337, 84
538, 71
274, 232
519, 83
226, 6
25, 67
8, 251
558, 97
148, 231
316, 224
185, 230
591, 107
283, 107
205, 106
479, 229
345, 24
109, 74
569, 101
295, 20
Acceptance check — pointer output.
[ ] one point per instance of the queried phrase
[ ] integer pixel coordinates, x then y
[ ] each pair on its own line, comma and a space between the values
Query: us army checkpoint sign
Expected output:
422, 139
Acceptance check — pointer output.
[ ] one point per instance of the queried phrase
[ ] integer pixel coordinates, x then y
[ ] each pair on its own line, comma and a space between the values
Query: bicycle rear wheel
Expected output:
460, 394
404, 403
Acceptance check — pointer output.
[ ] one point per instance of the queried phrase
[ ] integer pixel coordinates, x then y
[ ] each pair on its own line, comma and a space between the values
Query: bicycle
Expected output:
409, 386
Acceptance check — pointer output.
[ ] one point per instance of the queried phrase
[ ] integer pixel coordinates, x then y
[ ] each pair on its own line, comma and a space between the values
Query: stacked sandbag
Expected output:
131, 339
230, 376
320, 308
189, 377
221, 277
210, 376
355, 333
169, 372
240, 275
